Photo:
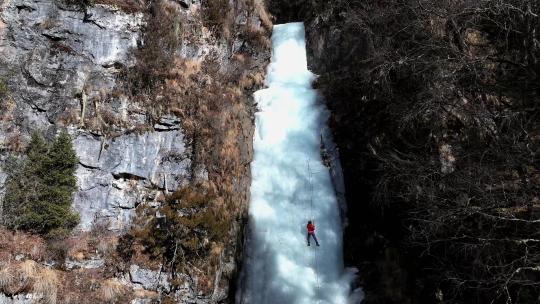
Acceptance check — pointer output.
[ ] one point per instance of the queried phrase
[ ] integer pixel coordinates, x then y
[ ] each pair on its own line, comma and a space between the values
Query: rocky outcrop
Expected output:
52, 54
118, 174
148, 279
19, 299
71, 66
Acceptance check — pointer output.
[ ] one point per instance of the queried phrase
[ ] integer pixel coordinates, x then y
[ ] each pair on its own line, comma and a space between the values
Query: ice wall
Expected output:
280, 267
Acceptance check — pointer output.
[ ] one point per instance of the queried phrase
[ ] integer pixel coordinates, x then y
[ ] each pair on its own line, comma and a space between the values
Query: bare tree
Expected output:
437, 102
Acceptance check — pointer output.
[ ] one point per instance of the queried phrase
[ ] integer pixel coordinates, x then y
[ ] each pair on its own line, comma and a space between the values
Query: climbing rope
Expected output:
317, 276
314, 261
310, 191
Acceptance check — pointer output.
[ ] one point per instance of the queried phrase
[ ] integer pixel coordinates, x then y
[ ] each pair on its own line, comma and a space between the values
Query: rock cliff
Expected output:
156, 95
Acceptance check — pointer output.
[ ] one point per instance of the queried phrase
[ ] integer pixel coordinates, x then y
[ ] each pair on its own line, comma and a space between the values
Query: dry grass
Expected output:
250, 81
48, 23
18, 243
78, 286
215, 253
127, 6
106, 245
141, 258
145, 294
98, 242
77, 247
109, 118
257, 37
81, 286
28, 270
216, 15
6, 279
46, 285
28, 276
14, 142
111, 290
7, 103
69, 117
264, 15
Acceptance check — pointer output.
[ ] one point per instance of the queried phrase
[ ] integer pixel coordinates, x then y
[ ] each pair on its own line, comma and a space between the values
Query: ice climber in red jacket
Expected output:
311, 233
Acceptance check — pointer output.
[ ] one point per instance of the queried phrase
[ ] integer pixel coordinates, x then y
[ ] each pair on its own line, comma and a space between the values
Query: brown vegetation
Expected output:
184, 234
29, 277
216, 15
14, 243
128, 6
264, 15
434, 106
22, 270
209, 95
6, 102
192, 226
111, 290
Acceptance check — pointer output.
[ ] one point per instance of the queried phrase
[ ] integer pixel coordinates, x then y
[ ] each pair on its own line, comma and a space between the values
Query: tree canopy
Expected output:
39, 189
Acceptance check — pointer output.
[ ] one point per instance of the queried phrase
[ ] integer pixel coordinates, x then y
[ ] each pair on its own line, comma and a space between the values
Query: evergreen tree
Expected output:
14, 197
24, 183
40, 189
60, 184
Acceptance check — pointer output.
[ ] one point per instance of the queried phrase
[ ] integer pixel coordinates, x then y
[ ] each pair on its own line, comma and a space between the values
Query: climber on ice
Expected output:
311, 233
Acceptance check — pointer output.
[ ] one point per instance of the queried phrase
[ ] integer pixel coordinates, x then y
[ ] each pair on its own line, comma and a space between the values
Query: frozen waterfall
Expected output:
290, 186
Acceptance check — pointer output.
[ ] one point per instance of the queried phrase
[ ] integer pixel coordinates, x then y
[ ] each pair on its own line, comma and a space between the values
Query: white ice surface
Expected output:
281, 268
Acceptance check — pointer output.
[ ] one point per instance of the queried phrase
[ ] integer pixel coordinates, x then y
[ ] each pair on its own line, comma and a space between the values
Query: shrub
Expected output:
28, 276
184, 227
80, 2
13, 243
125, 247
215, 13
57, 250
429, 75
161, 39
127, 6
4, 96
4, 90
39, 190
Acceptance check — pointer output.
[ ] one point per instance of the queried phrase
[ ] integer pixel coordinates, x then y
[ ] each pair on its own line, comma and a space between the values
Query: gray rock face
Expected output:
87, 264
59, 52
50, 54
18, 299
118, 174
167, 123
58, 62
150, 280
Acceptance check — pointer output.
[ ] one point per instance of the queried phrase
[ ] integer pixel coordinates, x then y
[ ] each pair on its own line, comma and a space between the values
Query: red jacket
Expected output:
310, 228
